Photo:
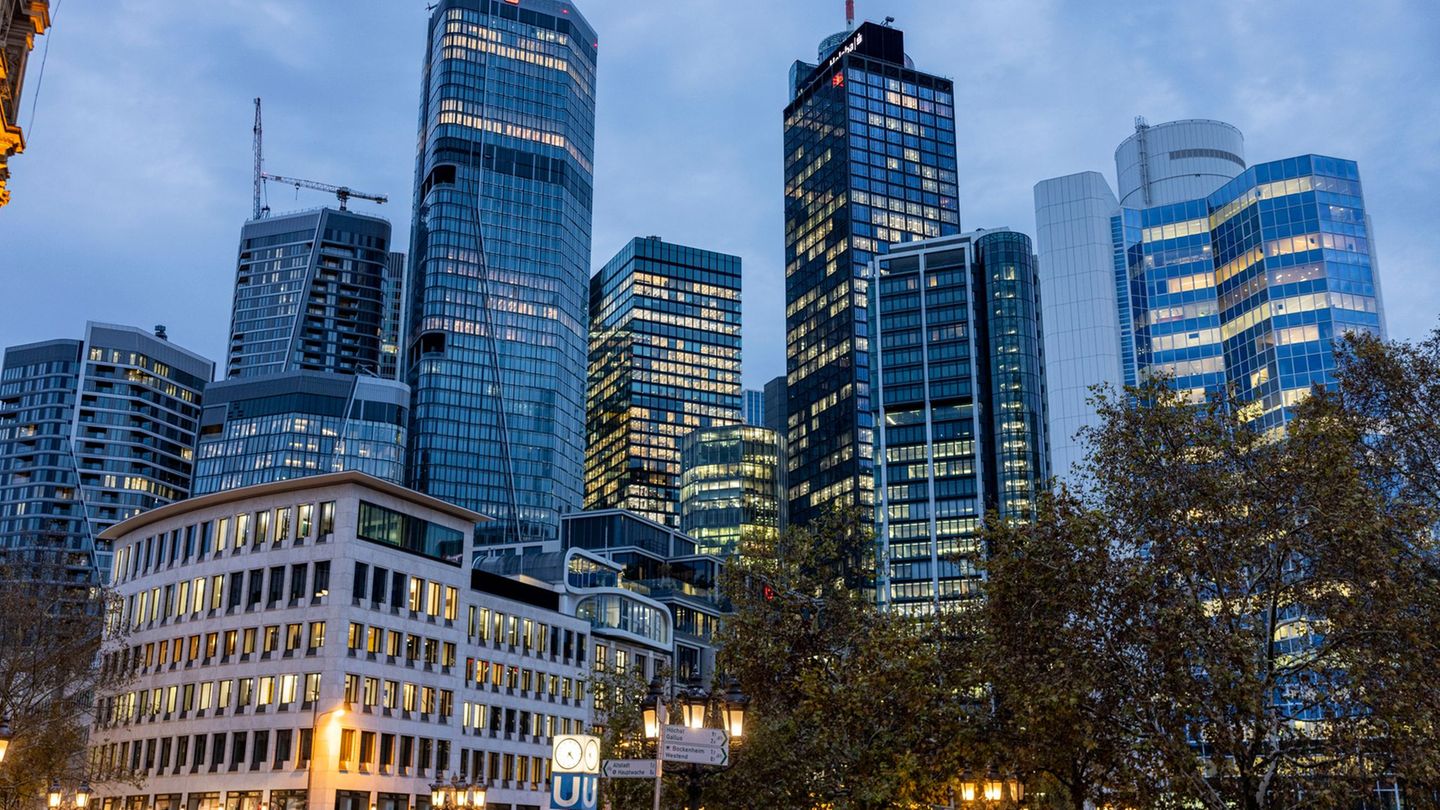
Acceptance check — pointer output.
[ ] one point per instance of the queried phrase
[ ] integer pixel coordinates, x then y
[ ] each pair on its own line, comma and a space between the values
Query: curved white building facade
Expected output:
321, 643
1177, 161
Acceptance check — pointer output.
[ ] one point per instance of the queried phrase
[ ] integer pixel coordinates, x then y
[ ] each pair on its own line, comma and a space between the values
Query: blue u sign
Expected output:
574, 791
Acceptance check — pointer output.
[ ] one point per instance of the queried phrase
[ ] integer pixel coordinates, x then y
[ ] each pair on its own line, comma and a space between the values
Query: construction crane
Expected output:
342, 193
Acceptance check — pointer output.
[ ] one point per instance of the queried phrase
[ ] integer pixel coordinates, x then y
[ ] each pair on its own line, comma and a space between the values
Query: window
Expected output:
288, 684
267, 690
302, 529
297, 582
317, 636
380, 525
367, 748
282, 524
374, 638
432, 599
452, 603
312, 687
347, 748
355, 636
247, 641
371, 694
217, 583
293, 636
242, 531
322, 579
327, 519
244, 691
416, 586
360, 584
277, 586
262, 527
272, 637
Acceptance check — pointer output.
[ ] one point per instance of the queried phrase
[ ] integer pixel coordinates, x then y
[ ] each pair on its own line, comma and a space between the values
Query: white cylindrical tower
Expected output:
1177, 161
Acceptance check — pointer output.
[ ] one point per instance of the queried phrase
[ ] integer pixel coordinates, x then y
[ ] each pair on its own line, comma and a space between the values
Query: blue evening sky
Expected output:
129, 200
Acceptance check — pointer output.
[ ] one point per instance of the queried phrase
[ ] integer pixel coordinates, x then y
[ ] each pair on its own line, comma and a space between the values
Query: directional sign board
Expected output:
696, 736
678, 751
629, 769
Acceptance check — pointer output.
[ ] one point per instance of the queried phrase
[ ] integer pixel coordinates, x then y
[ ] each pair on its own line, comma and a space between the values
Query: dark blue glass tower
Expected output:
869, 161
499, 265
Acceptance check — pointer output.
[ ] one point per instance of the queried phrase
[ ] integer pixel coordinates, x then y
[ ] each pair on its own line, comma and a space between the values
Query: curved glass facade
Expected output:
497, 326
732, 485
618, 611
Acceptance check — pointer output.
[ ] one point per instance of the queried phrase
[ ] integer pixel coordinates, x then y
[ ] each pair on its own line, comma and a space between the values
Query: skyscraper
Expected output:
309, 294
392, 323
753, 407
960, 407
20, 22
1208, 272
500, 260
664, 361
92, 432
257, 430
775, 406
732, 485
869, 161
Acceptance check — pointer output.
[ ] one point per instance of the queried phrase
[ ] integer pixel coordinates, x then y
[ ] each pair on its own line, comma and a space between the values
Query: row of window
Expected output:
248, 589
228, 695
198, 541
217, 647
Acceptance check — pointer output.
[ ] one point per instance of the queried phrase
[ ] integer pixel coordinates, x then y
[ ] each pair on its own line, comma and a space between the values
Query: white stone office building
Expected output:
320, 643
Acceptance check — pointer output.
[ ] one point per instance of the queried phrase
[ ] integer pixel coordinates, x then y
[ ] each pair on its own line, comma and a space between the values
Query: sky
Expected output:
128, 201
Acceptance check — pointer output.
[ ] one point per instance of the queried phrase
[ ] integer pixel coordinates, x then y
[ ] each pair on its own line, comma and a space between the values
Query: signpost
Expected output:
628, 769
695, 754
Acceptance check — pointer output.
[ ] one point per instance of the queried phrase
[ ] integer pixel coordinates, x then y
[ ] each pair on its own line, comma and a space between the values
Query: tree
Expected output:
1050, 645
1211, 595
50, 640
852, 707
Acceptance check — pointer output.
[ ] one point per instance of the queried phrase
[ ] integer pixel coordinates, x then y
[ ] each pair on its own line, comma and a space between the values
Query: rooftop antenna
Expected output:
889, 20
849, 14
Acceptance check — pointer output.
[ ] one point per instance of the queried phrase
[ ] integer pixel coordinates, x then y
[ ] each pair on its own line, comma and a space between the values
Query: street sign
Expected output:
695, 736
629, 769
677, 751
574, 791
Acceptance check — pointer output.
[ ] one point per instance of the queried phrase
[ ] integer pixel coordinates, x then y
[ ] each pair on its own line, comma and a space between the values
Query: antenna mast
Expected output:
849, 14
259, 169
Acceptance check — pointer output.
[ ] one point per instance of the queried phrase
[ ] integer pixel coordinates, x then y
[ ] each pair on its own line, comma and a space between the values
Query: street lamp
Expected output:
5, 735
56, 796
456, 794
990, 788
736, 702
695, 706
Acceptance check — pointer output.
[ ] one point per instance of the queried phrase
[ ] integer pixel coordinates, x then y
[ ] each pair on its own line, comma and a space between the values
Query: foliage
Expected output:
50, 639
1222, 618
852, 707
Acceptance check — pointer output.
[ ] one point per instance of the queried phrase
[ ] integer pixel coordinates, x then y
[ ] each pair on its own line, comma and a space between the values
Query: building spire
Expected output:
849, 14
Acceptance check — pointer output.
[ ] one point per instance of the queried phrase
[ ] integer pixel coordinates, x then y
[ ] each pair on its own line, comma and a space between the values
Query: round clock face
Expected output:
568, 754
592, 756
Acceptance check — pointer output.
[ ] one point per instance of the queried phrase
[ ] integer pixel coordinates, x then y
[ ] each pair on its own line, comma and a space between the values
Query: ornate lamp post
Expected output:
457, 794
696, 707
56, 796
5, 735
991, 788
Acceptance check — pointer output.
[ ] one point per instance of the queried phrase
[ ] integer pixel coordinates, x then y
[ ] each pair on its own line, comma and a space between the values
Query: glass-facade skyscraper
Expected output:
1211, 272
92, 432
499, 263
310, 294
664, 361
869, 161
732, 485
959, 408
283, 426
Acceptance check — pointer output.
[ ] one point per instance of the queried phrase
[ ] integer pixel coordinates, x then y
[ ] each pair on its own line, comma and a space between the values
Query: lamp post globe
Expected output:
736, 704
694, 702
54, 796
650, 709
438, 789
5, 735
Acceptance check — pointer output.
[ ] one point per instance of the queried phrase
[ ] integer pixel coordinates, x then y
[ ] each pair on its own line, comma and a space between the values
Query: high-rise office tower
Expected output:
92, 432
256, 430
732, 485
309, 294
664, 361
775, 399
869, 161
20, 22
959, 407
500, 261
1208, 272
392, 321
753, 408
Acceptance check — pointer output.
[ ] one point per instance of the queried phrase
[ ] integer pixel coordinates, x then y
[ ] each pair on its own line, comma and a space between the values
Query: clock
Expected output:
592, 755
569, 753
